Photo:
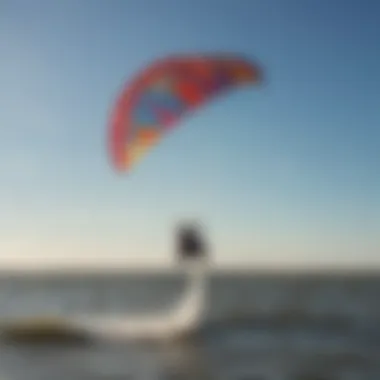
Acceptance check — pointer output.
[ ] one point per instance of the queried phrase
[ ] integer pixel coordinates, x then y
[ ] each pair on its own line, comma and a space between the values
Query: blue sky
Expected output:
283, 174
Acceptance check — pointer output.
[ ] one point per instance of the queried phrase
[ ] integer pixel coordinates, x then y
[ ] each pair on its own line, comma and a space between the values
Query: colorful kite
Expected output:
163, 93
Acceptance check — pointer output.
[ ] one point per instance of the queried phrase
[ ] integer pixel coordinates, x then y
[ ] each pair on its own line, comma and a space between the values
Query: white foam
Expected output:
185, 318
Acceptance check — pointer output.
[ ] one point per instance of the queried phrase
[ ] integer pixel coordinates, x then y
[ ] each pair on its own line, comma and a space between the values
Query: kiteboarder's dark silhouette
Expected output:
190, 243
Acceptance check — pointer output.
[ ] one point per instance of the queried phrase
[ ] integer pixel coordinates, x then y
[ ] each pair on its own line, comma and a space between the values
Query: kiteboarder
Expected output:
190, 243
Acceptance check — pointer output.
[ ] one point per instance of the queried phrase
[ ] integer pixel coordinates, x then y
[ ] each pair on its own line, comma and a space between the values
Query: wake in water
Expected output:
184, 319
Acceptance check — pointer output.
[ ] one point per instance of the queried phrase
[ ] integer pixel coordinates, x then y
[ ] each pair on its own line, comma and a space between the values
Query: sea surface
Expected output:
258, 327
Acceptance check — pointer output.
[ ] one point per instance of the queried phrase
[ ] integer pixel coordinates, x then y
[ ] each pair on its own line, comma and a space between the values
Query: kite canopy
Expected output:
158, 98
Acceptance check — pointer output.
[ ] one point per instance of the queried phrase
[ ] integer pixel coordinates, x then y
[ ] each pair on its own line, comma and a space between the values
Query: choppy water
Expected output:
299, 327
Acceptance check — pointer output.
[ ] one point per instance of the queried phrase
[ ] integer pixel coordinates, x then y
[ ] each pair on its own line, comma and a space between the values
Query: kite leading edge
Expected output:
161, 95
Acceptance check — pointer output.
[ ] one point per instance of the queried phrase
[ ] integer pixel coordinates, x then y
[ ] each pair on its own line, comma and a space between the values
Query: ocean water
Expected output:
258, 327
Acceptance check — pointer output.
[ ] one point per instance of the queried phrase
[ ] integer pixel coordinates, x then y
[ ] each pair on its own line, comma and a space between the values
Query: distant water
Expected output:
258, 327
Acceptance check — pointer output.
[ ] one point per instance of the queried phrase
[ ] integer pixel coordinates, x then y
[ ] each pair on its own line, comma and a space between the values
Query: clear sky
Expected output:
284, 174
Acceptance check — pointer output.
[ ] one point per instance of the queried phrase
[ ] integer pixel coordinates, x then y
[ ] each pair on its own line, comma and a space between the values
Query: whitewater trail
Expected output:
185, 318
